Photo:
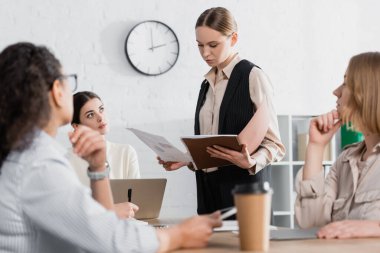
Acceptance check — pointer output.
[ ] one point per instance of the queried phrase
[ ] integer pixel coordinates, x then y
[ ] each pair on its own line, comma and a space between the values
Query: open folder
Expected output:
197, 147
252, 136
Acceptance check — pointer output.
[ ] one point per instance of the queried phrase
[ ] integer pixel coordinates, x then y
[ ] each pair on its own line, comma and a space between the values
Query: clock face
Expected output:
152, 48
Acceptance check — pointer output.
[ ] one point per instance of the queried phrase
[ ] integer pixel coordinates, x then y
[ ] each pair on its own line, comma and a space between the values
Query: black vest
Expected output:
237, 108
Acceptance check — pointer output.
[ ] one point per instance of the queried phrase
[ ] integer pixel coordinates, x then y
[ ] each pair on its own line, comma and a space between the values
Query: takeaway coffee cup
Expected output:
253, 204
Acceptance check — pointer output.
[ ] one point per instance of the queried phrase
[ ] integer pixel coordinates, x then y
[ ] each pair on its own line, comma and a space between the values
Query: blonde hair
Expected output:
219, 19
363, 80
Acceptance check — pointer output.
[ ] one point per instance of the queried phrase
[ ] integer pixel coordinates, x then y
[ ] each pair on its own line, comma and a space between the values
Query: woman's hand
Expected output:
191, 233
126, 210
90, 145
350, 229
241, 159
197, 230
170, 166
323, 127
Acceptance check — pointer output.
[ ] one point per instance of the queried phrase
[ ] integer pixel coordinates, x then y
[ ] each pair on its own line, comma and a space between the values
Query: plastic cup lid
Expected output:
252, 188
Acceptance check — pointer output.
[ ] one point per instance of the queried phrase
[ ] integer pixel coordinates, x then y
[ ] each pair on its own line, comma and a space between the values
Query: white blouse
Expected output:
122, 159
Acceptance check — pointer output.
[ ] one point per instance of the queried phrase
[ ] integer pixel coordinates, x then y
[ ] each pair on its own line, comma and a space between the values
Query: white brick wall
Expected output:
304, 46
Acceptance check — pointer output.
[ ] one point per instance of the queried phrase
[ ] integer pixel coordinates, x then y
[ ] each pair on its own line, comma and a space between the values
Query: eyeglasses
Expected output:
72, 80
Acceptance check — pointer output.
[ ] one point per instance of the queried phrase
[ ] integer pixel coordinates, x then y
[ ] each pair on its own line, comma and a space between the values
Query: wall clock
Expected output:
152, 47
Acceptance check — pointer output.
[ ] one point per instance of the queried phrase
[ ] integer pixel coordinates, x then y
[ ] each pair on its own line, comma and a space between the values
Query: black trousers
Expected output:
214, 189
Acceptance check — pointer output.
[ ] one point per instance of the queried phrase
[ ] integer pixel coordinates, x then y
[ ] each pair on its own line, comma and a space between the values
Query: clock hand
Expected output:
153, 47
151, 40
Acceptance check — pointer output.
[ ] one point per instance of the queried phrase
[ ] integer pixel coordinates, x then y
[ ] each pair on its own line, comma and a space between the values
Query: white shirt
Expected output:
44, 208
122, 159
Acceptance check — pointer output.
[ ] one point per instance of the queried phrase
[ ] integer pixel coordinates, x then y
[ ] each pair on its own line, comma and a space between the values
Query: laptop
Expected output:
146, 193
294, 234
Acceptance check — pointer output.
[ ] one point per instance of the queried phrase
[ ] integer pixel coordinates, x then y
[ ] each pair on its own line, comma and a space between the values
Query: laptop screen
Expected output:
147, 194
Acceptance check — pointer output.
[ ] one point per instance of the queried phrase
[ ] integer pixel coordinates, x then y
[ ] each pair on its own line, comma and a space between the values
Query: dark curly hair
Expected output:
27, 73
80, 99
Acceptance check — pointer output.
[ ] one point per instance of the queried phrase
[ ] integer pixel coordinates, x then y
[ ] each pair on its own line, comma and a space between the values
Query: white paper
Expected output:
164, 149
228, 225
232, 225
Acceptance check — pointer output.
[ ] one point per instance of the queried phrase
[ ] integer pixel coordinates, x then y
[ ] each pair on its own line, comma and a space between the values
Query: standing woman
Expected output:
43, 206
89, 110
233, 90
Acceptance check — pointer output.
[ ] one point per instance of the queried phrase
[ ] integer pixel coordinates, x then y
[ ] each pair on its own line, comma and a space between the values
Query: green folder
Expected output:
349, 136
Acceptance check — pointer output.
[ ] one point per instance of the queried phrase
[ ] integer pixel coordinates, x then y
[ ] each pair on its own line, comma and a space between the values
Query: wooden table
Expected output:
221, 242
228, 242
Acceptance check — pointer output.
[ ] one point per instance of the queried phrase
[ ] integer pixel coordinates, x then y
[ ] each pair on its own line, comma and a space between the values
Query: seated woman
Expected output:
43, 206
89, 111
351, 190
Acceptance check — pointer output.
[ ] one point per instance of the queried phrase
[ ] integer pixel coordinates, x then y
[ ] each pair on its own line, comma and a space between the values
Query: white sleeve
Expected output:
271, 149
260, 88
132, 163
315, 197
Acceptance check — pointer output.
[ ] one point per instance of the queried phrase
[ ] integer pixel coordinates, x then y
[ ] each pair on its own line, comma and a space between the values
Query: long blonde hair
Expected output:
363, 80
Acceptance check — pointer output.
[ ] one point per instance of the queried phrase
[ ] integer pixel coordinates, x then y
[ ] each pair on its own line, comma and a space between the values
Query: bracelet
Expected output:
99, 175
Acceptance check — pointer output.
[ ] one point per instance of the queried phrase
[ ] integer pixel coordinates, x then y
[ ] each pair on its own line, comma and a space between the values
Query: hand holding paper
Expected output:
165, 150
170, 166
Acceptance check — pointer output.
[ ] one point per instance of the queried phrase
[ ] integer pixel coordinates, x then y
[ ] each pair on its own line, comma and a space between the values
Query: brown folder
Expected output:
196, 145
